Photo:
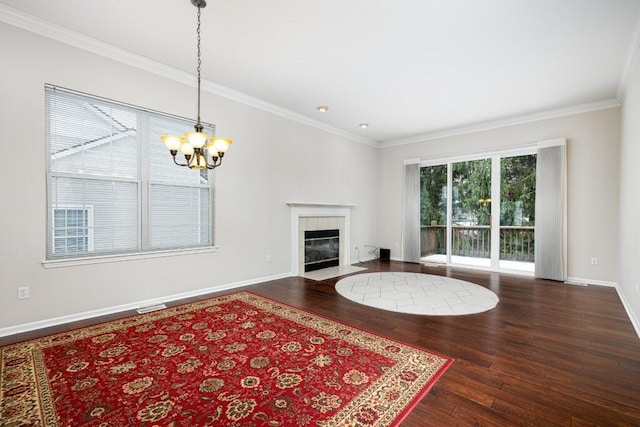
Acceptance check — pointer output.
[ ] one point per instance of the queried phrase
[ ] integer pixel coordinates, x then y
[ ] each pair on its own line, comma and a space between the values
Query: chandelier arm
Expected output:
215, 163
179, 164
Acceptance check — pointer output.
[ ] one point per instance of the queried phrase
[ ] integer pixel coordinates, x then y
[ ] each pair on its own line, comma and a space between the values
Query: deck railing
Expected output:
516, 243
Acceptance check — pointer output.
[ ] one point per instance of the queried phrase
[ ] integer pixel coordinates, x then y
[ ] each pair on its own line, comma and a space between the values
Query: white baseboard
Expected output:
26, 327
630, 313
584, 282
364, 259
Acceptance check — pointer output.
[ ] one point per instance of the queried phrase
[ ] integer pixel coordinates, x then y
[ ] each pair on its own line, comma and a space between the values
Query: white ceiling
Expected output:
409, 68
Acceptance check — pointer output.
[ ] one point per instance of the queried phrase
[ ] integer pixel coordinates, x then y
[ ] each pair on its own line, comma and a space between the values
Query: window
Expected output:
112, 186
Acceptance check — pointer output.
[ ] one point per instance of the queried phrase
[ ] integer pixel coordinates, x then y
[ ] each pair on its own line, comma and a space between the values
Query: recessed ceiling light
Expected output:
364, 125
322, 108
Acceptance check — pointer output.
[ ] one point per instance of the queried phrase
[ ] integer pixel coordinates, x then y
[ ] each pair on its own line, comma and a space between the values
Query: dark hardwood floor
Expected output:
549, 354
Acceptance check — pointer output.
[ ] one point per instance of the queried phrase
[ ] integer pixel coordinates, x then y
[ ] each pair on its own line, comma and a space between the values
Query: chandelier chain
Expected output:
199, 150
199, 63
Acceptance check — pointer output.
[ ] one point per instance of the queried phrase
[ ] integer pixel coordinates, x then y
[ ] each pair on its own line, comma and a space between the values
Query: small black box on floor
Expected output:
385, 254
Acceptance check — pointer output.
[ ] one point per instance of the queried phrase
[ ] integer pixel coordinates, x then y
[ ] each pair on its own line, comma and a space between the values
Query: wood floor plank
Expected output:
548, 354
517, 413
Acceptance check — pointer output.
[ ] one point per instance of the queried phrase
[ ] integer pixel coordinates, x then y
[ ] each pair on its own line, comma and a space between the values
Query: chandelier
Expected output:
199, 150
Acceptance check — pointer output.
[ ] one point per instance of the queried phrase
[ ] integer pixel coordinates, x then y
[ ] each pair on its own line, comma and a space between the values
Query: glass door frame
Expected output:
496, 179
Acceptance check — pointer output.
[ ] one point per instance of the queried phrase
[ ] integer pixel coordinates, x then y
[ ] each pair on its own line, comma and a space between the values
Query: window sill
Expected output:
73, 262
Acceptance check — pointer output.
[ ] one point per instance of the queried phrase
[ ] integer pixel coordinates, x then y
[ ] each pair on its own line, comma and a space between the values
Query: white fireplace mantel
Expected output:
320, 205
306, 209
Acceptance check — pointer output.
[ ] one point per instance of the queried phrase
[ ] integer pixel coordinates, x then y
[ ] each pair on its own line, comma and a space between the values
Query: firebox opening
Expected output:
321, 249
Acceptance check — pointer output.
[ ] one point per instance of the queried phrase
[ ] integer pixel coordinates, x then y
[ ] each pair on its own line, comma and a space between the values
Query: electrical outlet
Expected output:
23, 292
636, 287
268, 258
594, 261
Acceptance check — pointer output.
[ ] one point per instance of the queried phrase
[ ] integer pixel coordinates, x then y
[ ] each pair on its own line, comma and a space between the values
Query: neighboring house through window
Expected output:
72, 230
112, 185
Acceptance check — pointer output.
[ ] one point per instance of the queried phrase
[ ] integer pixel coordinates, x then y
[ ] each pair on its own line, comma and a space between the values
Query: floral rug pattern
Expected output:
235, 360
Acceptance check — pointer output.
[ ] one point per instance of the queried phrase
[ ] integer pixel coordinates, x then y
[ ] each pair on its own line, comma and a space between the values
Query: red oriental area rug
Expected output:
235, 360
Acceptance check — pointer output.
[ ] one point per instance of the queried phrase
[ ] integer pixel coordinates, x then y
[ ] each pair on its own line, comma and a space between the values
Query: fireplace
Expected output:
319, 217
321, 249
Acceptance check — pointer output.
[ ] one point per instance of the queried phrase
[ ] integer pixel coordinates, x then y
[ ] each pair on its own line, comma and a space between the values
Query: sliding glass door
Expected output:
479, 212
433, 213
517, 212
471, 212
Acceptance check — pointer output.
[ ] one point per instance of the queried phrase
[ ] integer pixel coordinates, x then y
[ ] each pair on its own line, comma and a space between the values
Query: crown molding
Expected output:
251, 101
58, 33
500, 123
633, 56
55, 32
64, 35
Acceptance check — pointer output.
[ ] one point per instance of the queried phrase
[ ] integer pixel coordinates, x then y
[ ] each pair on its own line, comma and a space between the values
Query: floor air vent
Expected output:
151, 308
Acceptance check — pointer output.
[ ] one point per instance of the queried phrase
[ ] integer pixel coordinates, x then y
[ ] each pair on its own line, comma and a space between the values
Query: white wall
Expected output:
630, 198
269, 164
593, 159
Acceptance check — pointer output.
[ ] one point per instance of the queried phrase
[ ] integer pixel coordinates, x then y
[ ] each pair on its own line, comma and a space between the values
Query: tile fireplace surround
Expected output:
318, 216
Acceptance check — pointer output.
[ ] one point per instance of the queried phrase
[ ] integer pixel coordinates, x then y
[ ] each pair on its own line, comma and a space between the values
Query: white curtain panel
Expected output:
411, 212
551, 210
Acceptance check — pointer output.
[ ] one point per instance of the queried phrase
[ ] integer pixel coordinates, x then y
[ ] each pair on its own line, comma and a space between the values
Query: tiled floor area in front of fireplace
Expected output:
331, 272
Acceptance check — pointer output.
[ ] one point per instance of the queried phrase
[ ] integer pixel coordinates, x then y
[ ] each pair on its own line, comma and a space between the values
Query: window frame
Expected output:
144, 183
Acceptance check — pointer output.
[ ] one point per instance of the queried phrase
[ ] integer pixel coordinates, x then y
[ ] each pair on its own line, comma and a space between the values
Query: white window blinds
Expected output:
106, 159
